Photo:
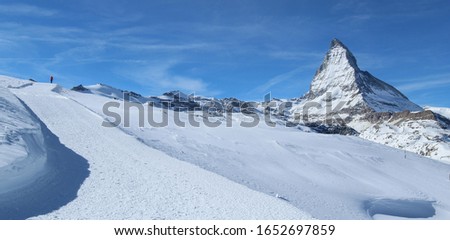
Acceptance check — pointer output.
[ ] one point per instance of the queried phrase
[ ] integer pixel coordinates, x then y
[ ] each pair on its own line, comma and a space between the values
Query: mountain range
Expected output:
352, 147
342, 99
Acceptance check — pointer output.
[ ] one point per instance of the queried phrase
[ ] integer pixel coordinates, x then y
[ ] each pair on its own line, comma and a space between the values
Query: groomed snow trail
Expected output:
129, 180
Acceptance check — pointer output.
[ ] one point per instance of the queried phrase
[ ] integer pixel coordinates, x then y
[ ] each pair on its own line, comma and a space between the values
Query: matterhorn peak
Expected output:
338, 68
339, 54
340, 77
336, 43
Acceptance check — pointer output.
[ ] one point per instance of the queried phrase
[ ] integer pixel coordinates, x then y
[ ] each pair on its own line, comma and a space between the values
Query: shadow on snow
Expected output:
65, 172
406, 208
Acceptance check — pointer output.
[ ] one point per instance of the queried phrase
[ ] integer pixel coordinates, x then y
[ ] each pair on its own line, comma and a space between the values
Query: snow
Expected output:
424, 137
440, 110
339, 86
404, 208
328, 176
223, 172
11, 82
129, 180
340, 80
21, 141
105, 90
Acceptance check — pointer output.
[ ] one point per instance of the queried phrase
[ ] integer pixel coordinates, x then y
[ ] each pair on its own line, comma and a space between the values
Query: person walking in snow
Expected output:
51, 79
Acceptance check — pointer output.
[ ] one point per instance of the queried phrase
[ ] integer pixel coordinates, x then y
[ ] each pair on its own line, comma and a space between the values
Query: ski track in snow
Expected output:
129, 180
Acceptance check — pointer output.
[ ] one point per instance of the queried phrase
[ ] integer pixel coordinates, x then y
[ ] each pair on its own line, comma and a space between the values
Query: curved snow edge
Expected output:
50, 189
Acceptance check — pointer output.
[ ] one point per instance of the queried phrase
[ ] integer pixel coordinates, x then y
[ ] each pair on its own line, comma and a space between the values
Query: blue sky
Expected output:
226, 48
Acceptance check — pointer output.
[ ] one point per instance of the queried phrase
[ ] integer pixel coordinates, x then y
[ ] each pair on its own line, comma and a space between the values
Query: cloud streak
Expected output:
26, 10
427, 82
264, 88
166, 47
160, 77
295, 55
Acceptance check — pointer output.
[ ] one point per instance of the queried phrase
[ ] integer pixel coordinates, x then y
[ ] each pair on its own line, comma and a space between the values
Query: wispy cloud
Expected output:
358, 11
350, 5
426, 82
160, 77
32, 33
295, 55
356, 18
370, 61
25, 9
264, 88
167, 47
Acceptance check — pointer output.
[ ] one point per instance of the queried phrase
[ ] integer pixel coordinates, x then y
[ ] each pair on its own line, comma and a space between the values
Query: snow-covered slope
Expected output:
328, 176
126, 179
425, 137
227, 171
11, 82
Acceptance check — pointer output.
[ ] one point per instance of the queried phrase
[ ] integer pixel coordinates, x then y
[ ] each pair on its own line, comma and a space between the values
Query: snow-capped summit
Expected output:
344, 99
340, 79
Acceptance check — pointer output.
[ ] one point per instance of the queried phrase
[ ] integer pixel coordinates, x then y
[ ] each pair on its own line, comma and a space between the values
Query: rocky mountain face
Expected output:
343, 87
426, 133
344, 97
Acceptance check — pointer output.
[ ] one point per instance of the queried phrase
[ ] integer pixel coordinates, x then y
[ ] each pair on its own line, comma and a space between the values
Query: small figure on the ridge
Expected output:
51, 79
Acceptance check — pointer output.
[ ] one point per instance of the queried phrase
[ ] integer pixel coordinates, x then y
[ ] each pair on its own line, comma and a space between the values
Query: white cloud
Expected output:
160, 77
356, 18
25, 9
264, 88
427, 82
167, 47
350, 5
295, 55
